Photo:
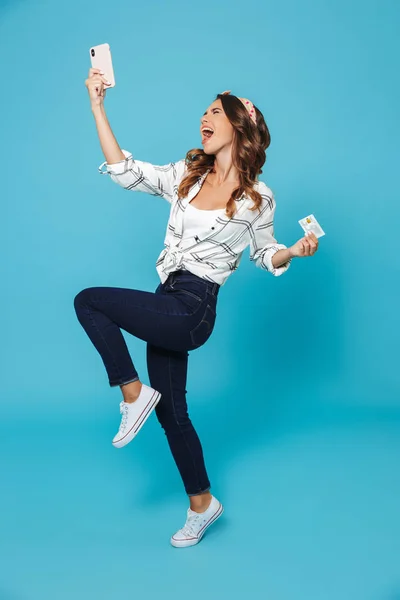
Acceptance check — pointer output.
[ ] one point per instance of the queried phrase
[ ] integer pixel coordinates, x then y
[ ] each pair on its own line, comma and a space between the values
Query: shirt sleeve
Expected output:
263, 245
140, 176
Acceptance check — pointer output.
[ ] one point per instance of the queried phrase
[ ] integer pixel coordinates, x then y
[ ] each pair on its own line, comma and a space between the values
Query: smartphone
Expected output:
100, 57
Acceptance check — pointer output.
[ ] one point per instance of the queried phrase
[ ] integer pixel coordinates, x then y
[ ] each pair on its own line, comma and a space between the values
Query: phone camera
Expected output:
92, 51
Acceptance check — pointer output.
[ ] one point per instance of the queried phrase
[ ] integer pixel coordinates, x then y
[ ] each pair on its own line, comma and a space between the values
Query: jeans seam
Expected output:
210, 289
126, 382
203, 320
177, 422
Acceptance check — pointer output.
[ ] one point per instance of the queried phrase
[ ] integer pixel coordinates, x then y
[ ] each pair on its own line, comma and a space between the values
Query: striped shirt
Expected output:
216, 252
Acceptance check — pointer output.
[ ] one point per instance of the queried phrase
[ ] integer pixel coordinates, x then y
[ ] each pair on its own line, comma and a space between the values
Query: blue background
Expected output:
296, 394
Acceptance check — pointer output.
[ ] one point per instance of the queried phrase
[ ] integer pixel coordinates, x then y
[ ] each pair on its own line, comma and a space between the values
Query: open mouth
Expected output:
206, 133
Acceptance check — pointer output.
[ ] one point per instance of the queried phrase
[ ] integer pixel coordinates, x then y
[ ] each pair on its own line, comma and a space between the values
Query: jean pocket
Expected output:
200, 334
192, 294
191, 300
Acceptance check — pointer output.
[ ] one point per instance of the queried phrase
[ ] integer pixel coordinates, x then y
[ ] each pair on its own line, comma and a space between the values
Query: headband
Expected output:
249, 106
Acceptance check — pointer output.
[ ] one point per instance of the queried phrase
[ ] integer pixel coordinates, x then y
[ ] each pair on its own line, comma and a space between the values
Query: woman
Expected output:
218, 208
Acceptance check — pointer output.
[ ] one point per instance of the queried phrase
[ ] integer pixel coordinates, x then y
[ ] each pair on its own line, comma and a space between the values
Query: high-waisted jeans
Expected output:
178, 317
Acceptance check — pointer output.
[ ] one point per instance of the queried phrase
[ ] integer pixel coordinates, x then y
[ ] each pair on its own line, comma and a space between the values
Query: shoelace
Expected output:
123, 409
189, 528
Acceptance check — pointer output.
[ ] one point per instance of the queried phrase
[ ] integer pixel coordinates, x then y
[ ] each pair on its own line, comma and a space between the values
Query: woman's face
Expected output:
218, 122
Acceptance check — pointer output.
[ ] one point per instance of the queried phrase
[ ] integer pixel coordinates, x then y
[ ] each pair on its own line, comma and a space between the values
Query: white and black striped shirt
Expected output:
217, 252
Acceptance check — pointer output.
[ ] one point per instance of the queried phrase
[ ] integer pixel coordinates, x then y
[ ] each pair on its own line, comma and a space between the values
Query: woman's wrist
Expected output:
281, 257
97, 109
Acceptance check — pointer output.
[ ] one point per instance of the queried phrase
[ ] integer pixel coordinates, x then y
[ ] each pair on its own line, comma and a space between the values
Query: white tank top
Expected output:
197, 220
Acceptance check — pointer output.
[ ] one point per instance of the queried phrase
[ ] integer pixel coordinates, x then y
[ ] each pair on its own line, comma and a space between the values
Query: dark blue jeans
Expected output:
178, 317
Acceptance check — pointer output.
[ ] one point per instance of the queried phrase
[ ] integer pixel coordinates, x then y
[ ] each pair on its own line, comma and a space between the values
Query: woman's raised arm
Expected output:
96, 85
129, 173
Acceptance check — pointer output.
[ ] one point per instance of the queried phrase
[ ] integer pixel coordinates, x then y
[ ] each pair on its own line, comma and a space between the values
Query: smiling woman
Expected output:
218, 207
234, 125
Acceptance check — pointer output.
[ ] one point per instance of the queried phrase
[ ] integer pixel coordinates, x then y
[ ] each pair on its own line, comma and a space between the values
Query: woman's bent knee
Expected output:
82, 297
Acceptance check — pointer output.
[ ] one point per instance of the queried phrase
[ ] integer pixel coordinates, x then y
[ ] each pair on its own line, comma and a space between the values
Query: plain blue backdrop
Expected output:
296, 394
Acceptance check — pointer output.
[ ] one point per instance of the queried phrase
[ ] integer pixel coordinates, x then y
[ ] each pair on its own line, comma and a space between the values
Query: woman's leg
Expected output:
167, 371
162, 321
153, 317
96, 310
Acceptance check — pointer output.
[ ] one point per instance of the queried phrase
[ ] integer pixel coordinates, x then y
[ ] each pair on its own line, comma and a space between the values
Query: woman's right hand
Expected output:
96, 85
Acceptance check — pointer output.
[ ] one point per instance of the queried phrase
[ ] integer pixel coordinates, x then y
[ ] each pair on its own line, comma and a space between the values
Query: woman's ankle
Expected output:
131, 391
200, 502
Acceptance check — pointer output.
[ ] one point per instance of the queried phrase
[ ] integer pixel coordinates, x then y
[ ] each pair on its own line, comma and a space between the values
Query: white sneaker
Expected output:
196, 525
134, 415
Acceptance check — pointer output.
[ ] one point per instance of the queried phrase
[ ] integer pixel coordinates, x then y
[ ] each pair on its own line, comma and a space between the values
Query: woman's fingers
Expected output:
96, 75
96, 84
313, 242
105, 81
94, 71
97, 78
93, 84
306, 247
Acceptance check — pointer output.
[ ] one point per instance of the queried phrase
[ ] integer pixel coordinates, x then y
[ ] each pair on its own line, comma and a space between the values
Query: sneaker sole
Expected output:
193, 542
134, 430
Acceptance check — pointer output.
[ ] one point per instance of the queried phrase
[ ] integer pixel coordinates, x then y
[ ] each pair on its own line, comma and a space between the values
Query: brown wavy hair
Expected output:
249, 144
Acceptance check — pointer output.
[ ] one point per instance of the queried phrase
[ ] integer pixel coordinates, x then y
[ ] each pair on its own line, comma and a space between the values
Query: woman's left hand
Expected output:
306, 246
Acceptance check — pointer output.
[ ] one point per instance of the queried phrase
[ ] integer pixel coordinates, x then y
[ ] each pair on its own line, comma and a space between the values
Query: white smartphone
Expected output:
100, 57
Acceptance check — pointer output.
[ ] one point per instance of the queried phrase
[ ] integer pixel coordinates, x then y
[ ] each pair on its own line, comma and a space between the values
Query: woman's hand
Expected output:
95, 84
306, 246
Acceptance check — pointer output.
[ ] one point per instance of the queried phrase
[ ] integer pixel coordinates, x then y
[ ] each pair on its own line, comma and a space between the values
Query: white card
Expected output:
310, 223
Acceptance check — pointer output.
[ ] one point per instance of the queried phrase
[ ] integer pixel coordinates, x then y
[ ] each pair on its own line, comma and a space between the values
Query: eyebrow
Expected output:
215, 108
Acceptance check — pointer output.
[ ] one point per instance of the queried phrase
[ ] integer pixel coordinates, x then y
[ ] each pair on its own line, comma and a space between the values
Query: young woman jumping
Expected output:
218, 207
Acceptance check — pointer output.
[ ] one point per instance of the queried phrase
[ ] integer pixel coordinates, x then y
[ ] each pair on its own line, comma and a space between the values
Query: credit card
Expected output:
310, 223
